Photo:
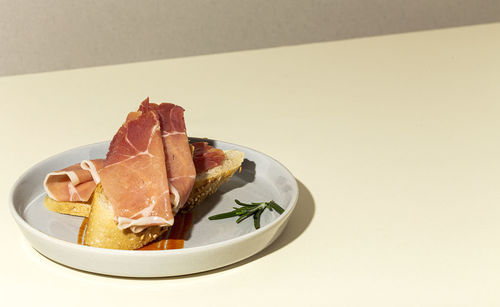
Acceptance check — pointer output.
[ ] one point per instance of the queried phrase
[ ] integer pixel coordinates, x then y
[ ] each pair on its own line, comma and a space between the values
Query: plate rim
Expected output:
156, 253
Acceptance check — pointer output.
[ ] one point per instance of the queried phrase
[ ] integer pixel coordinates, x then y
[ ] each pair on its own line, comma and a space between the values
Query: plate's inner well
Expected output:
258, 181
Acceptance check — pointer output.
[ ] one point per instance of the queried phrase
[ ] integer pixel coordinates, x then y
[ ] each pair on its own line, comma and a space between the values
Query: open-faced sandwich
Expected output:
150, 173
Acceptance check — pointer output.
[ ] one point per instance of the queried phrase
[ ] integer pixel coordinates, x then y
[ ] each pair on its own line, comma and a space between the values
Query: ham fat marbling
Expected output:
206, 157
179, 162
134, 176
74, 183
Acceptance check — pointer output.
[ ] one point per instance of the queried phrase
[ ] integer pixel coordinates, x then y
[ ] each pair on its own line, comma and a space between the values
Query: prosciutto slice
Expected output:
74, 183
179, 163
206, 157
134, 176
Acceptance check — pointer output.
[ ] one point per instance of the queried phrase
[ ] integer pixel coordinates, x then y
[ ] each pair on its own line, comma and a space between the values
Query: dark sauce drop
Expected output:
171, 239
81, 231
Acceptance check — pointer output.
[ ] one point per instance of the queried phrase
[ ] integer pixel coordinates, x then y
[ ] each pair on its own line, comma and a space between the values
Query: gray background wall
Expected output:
37, 36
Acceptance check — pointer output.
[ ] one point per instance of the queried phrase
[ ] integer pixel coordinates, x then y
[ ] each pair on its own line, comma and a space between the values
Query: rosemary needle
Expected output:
276, 207
256, 218
247, 210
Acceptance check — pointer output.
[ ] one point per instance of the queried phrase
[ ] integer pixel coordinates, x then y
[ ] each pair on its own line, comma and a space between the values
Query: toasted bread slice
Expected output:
102, 230
68, 207
208, 182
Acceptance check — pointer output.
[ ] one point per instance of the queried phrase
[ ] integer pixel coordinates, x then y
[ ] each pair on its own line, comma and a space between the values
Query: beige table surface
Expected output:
394, 140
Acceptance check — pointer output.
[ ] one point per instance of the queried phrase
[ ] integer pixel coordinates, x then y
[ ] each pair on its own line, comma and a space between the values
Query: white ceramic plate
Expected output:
209, 245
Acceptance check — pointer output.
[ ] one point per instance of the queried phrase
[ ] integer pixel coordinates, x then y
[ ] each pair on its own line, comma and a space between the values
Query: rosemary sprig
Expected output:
247, 210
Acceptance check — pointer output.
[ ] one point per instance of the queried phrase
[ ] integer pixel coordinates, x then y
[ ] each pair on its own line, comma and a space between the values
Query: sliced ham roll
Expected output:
134, 176
180, 168
74, 183
206, 157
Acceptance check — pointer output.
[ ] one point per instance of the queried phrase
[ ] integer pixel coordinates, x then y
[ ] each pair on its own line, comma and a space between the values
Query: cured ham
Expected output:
134, 176
206, 157
179, 163
74, 183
